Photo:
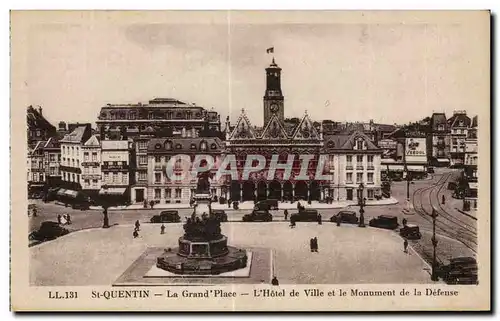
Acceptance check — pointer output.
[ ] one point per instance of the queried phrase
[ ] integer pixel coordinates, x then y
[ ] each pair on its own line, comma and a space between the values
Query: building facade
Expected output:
72, 155
459, 124
471, 162
162, 153
91, 167
36, 168
39, 128
438, 141
52, 162
335, 166
163, 117
115, 168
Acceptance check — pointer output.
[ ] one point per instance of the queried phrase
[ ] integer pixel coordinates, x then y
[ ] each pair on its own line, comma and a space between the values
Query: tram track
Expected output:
446, 223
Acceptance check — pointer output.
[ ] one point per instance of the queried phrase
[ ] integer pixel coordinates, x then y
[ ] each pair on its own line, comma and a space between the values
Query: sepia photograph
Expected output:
164, 155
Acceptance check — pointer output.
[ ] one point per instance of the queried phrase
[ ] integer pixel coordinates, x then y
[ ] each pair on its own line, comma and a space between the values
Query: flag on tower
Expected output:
270, 50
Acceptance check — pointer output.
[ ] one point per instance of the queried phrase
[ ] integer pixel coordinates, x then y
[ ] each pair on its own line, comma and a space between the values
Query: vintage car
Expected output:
258, 216
166, 217
220, 215
430, 170
411, 232
385, 221
345, 217
266, 205
48, 231
460, 270
83, 205
305, 215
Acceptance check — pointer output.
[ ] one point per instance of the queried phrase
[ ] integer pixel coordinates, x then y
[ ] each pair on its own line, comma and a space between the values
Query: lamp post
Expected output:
434, 276
105, 208
361, 203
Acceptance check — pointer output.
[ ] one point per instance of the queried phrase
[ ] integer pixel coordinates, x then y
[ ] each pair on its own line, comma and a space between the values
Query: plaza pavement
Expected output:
347, 254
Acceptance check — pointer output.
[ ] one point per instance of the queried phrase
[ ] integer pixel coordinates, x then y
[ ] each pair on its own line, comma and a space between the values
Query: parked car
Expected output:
258, 216
305, 215
266, 205
220, 215
430, 170
385, 221
48, 231
460, 270
166, 217
345, 217
411, 232
81, 206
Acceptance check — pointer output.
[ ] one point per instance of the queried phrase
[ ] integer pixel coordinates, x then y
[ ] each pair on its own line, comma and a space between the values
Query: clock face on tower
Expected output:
274, 108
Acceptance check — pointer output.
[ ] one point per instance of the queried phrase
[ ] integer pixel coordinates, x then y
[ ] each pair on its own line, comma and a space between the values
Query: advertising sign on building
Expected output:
416, 150
389, 148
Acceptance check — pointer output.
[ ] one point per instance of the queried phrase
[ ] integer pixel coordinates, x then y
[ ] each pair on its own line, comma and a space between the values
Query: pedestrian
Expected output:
162, 229
228, 203
443, 199
137, 225
319, 219
286, 215
339, 219
315, 244
135, 234
68, 219
405, 222
34, 212
274, 281
152, 203
311, 244
292, 221
299, 206
405, 244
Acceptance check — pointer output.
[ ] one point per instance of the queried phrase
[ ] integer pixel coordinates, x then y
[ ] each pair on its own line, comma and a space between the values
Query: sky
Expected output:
391, 72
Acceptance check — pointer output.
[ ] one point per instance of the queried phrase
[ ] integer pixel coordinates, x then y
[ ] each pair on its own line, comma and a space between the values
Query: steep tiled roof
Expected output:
456, 118
36, 120
52, 143
92, 142
438, 119
347, 142
76, 136
474, 122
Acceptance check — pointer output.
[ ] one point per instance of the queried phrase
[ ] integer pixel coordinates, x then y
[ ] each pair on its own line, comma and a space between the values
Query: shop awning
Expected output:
112, 191
395, 168
443, 160
416, 168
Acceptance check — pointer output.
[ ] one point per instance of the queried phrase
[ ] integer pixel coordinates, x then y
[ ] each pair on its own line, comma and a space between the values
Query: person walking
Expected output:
137, 225
319, 219
315, 244
162, 229
405, 222
68, 219
33, 212
59, 219
405, 245
286, 214
135, 234
443, 199
311, 244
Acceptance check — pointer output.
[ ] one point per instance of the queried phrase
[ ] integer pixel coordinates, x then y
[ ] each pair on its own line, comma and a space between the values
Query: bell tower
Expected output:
273, 97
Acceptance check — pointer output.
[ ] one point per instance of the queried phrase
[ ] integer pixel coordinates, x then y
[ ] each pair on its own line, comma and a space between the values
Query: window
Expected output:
359, 159
143, 144
72, 163
143, 159
440, 127
77, 163
349, 178
59, 157
157, 193
94, 156
178, 193
168, 193
370, 177
77, 151
370, 194
72, 151
349, 159
95, 169
359, 177
52, 158
85, 156
73, 178
85, 170
94, 183
157, 178
359, 144
115, 177
157, 159
87, 183
143, 176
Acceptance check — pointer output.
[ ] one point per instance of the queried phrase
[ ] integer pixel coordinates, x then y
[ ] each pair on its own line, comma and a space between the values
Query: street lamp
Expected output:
434, 276
361, 203
105, 208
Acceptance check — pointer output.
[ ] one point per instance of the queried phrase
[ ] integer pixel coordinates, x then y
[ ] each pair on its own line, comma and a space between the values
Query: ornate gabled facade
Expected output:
284, 143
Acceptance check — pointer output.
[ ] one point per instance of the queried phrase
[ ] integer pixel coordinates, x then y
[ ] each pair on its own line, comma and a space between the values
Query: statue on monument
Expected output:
203, 186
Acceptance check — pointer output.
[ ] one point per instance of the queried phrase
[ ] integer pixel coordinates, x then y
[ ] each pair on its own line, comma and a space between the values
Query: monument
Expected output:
203, 249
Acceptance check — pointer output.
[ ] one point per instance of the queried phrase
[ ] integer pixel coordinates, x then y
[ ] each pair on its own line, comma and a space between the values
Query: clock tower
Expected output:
273, 97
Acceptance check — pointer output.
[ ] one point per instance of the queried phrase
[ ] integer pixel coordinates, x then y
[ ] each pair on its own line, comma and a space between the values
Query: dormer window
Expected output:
193, 146
158, 146
330, 144
359, 144
213, 146
168, 146
178, 146
203, 146
440, 127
